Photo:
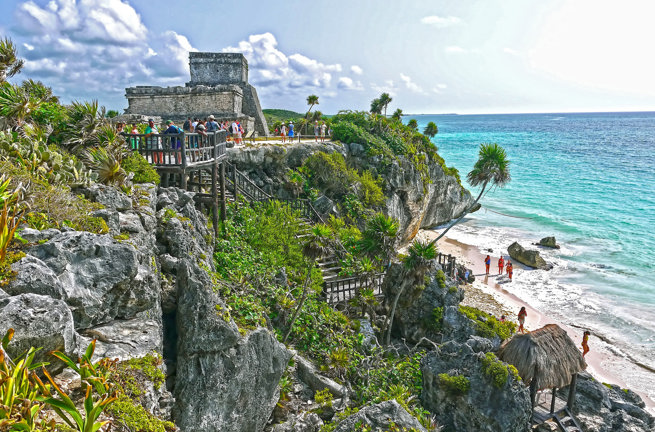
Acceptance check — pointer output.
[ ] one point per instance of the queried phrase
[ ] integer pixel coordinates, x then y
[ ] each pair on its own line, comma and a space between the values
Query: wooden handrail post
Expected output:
185, 140
223, 209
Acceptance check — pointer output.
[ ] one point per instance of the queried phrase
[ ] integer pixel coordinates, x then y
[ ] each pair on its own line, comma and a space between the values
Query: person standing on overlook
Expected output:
290, 131
323, 128
153, 143
316, 130
283, 133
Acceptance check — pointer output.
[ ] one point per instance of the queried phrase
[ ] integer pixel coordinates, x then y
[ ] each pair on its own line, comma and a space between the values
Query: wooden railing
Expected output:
179, 150
448, 264
341, 290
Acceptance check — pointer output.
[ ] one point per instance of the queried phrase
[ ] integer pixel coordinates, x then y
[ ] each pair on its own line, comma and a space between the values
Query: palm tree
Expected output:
379, 237
316, 247
311, 101
492, 167
385, 100
397, 115
376, 106
10, 64
416, 263
413, 124
431, 130
317, 116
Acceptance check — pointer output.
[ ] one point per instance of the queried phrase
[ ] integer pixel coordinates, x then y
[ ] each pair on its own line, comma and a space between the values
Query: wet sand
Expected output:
487, 294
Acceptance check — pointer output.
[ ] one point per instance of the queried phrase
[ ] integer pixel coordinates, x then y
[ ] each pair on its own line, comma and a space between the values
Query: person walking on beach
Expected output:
522, 314
585, 343
487, 263
510, 270
501, 264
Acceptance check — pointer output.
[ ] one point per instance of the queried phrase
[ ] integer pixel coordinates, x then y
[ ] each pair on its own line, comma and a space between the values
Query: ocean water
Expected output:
589, 180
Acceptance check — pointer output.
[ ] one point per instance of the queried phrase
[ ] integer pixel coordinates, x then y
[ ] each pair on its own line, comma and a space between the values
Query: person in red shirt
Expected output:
522, 314
487, 262
510, 270
501, 264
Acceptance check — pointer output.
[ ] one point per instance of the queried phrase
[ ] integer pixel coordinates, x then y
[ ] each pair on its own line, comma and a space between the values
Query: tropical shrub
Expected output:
456, 385
487, 325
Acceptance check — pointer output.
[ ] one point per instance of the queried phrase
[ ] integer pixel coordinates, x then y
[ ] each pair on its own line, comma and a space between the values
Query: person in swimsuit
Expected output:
585, 343
522, 314
510, 270
501, 264
487, 263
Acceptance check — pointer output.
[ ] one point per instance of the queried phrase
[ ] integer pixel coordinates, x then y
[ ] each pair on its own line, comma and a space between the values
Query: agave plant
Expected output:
106, 163
85, 122
10, 64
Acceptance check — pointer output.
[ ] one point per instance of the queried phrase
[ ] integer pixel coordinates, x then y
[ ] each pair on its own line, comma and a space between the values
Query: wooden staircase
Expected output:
566, 421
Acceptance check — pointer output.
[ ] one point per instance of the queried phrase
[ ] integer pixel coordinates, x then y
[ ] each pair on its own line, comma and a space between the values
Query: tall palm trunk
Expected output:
467, 211
305, 292
387, 338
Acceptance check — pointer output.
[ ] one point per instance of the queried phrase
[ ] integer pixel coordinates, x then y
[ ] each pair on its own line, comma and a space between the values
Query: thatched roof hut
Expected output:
547, 355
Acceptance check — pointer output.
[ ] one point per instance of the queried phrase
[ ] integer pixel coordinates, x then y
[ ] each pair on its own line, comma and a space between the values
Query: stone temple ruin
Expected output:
219, 86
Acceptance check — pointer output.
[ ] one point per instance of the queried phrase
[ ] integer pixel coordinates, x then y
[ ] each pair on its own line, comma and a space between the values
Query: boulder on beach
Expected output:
548, 242
530, 258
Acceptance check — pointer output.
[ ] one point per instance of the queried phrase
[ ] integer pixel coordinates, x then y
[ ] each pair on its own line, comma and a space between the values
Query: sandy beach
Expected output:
487, 294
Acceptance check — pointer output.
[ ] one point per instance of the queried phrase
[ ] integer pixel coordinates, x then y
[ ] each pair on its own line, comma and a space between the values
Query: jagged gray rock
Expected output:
35, 236
608, 408
3, 294
307, 374
101, 277
34, 276
305, 422
125, 339
38, 321
484, 407
531, 258
224, 381
380, 417
108, 196
415, 317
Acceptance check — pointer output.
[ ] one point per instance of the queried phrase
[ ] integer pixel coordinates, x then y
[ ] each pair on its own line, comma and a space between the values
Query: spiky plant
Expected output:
10, 64
106, 163
86, 121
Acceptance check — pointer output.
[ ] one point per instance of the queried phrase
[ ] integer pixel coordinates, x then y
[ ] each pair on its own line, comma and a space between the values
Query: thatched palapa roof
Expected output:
547, 355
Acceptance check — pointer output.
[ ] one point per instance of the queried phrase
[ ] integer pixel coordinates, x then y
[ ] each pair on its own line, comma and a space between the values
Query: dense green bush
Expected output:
143, 171
487, 325
498, 371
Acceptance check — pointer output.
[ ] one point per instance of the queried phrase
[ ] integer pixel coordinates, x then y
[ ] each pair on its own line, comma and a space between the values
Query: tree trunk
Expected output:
393, 312
484, 186
305, 291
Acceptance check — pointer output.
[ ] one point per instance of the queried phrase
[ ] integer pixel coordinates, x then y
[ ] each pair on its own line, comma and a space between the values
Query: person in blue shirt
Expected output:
290, 129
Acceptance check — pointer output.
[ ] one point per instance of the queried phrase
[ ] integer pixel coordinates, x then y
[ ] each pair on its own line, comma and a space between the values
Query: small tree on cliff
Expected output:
316, 247
413, 124
379, 237
376, 106
397, 115
431, 130
491, 168
416, 263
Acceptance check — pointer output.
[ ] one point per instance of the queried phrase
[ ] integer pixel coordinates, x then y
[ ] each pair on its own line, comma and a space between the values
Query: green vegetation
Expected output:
441, 279
487, 325
495, 370
143, 171
456, 385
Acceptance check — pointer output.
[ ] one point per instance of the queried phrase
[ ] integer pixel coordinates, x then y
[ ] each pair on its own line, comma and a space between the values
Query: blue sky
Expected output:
464, 56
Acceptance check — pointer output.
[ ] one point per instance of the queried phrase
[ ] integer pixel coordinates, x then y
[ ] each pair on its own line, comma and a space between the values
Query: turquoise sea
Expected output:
589, 180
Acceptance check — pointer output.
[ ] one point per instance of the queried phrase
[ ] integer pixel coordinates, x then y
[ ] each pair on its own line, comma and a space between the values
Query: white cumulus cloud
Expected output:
454, 49
356, 70
346, 83
409, 84
437, 21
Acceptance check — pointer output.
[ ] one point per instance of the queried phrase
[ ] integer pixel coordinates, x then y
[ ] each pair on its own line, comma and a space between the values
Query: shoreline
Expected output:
487, 294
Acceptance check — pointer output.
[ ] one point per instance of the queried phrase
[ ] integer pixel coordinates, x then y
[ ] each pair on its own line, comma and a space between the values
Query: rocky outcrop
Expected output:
99, 277
307, 373
414, 204
416, 317
380, 417
38, 321
548, 242
224, 381
530, 258
608, 408
479, 406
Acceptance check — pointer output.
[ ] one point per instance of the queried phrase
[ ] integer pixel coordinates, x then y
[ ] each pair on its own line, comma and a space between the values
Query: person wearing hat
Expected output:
212, 126
290, 130
153, 142
316, 130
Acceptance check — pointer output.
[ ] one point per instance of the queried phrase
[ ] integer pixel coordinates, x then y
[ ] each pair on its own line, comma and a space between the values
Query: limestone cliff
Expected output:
412, 202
